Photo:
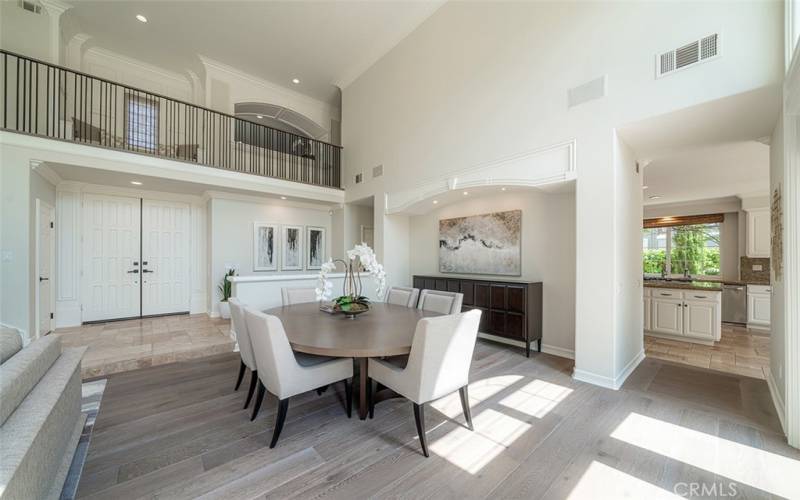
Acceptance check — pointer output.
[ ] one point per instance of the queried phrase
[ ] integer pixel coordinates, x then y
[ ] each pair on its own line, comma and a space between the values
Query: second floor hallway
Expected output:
55, 102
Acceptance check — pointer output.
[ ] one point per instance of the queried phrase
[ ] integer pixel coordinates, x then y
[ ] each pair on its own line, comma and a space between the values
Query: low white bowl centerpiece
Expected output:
361, 258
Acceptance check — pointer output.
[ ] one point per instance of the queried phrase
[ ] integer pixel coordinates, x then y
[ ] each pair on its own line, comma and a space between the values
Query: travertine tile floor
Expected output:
120, 346
740, 351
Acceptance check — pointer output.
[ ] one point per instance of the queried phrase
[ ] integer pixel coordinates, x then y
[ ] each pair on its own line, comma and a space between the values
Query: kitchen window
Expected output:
679, 249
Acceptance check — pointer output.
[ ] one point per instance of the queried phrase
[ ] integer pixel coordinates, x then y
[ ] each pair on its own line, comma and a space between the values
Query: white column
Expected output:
54, 9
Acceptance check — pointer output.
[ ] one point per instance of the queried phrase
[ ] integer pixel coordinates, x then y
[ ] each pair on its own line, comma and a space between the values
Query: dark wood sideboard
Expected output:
511, 309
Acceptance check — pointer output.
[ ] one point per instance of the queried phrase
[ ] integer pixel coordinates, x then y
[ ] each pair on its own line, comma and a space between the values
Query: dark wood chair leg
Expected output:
242, 368
283, 405
322, 389
348, 396
252, 388
259, 399
464, 392
419, 416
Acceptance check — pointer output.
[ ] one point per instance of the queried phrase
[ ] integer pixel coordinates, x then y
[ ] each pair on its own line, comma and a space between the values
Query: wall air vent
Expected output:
377, 171
31, 6
698, 51
359, 178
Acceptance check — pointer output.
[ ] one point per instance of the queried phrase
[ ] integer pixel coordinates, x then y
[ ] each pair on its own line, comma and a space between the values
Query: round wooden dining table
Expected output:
384, 330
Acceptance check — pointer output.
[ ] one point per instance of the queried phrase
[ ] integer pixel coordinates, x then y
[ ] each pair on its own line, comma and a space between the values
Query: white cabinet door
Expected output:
758, 309
667, 316
648, 320
110, 248
700, 319
165, 257
758, 232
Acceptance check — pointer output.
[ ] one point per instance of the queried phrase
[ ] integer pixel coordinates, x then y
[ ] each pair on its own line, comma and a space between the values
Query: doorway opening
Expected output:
45, 263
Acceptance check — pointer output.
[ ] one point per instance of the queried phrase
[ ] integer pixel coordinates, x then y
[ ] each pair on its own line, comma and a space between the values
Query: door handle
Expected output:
135, 271
147, 271
43, 279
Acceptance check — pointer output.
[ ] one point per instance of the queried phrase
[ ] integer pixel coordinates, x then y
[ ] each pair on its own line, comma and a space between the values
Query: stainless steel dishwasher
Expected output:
734, 304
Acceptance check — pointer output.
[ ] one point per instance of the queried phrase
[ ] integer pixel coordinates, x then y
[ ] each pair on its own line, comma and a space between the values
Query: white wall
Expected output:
231, 235
355, 217
629, 321
15, 251
778, 302
24, 32
442, 102
548, 252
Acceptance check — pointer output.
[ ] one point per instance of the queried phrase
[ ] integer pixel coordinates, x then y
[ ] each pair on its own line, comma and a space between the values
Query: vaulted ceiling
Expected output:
325, 45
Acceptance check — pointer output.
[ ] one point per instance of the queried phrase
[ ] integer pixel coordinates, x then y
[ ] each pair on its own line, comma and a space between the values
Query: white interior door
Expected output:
45, 254
111, 249
165, 257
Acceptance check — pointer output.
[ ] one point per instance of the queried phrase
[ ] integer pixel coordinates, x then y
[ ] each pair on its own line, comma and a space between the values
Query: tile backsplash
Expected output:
749, 274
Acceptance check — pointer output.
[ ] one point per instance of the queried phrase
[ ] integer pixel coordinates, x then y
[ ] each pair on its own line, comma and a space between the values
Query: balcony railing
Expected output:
51, 101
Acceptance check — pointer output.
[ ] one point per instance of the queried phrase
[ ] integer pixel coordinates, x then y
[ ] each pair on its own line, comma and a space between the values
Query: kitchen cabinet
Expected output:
759, 302
758, 232
691, 315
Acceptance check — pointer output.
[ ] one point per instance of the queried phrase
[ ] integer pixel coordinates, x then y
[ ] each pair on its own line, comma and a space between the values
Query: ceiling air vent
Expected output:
31, 6
688, 55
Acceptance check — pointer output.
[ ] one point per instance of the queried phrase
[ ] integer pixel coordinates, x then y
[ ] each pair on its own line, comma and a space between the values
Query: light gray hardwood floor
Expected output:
179, 431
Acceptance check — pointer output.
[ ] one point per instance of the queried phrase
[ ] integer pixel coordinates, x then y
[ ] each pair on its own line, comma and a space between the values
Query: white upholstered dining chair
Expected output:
245, 348
441, 302
293, 296
438, 365
281, 372
402, 296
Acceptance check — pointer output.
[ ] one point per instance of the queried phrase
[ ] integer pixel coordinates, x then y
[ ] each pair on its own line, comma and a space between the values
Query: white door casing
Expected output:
165, 257
111, 246
45, 265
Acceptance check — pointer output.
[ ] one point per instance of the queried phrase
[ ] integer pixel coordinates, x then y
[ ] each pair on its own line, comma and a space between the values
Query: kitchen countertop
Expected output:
710, 286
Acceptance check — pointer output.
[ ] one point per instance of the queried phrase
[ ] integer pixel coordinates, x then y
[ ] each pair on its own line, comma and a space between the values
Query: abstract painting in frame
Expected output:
292, 249
315, 247
265, 256
481, 244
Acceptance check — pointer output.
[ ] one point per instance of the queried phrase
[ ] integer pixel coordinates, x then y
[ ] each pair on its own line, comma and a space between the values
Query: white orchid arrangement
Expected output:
361, 258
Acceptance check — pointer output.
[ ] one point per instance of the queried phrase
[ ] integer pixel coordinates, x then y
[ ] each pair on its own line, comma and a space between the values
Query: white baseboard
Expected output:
780, 407
608, 382
546, 348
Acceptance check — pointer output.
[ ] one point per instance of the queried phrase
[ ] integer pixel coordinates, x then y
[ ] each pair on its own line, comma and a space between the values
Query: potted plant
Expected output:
352, 303
225, 291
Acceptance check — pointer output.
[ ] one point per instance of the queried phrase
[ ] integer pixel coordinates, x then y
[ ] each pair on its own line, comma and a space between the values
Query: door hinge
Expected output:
51, 315
52, 225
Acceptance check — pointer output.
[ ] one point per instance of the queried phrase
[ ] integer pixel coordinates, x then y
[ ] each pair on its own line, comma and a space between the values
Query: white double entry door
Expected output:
135, 257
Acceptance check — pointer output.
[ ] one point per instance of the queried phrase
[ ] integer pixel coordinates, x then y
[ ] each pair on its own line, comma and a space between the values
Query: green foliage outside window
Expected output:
693, 248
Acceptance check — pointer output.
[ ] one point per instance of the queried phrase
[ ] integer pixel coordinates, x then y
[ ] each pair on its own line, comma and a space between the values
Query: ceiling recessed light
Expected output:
655, 197
435, 202
136, 183
283, 197
466, 193
295, 80
141, 18
259, 116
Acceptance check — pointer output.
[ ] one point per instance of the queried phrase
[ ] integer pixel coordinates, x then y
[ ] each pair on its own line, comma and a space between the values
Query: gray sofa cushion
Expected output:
10, 344
20, 374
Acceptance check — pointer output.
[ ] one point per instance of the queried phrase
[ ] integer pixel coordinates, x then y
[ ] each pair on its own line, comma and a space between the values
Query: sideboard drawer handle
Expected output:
666, 294
700, 297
